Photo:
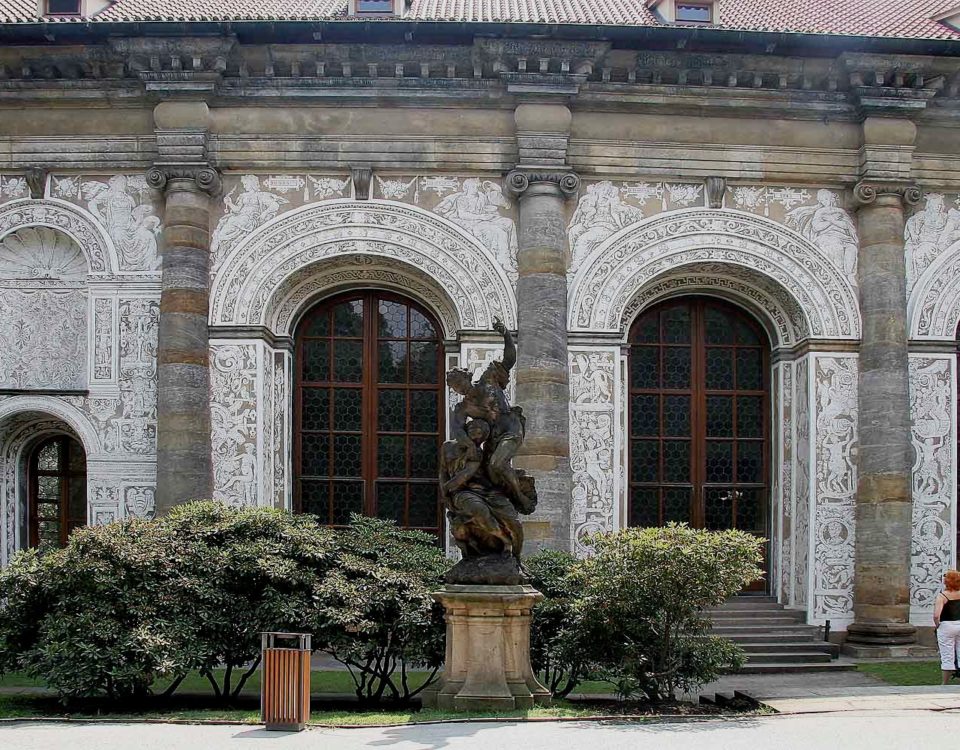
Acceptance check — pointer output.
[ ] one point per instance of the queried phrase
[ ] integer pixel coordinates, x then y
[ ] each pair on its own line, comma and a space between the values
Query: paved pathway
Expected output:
878, 730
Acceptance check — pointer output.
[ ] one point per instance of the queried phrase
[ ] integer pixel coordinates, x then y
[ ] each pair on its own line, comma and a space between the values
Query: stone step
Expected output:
751, 648
751, 602
788, 667
765, 620
765, 636
794, 657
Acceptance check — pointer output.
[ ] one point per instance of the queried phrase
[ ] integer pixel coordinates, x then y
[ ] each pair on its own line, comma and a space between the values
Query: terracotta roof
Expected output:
913, 19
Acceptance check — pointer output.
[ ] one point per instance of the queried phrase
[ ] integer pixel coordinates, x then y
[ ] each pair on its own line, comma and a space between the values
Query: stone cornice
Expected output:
566, 182
866, 192
204, 177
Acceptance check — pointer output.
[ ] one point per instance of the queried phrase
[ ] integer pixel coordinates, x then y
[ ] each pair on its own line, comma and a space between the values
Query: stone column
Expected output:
884, 487
184, 467
542, 370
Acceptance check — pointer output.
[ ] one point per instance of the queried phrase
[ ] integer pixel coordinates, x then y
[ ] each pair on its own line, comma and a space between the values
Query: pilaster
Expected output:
184, 469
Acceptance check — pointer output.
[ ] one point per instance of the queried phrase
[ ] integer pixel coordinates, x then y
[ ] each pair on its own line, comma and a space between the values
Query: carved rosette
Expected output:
866, 193
205, 178
519, 181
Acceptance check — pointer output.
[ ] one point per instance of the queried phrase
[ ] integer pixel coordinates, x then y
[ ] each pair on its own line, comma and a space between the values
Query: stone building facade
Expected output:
731, 256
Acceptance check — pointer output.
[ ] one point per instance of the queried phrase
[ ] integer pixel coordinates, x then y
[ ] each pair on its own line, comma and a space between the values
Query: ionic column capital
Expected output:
565, 182
866, 192
205, 178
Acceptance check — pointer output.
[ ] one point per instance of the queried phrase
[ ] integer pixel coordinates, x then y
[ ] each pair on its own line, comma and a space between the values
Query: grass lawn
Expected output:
903, 672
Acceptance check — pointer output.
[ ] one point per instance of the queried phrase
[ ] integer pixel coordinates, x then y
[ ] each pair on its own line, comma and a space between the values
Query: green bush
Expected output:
639, 600
556, 649
374, 612
125, 605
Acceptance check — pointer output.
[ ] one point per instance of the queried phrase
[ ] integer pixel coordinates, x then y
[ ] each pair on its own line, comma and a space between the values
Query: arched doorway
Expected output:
368, 408
57, 497
698, 416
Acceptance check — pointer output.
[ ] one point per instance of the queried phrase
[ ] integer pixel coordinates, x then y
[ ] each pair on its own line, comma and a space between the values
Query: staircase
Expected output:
775, 639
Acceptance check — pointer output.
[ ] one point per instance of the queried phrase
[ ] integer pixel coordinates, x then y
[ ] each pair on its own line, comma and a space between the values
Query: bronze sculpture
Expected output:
483, 493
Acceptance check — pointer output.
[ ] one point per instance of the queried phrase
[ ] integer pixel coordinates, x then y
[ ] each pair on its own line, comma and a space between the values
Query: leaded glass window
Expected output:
58, 491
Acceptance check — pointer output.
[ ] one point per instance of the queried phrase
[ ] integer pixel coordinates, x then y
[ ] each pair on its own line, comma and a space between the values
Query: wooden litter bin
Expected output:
285, 681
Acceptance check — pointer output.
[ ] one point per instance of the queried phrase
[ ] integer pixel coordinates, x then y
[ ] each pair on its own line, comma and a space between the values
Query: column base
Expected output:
880, 634
488, 650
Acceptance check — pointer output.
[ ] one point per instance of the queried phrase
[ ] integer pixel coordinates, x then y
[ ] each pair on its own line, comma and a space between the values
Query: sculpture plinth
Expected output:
488, 650
487, 605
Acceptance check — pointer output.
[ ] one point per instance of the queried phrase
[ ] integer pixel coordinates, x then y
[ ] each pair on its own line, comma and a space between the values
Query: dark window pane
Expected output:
348, 361
719, 416
63, 7
676, 367
750, 416
644, 507
77, 499
750, 511
644, 460
719, 329
719, 367
676, 325
346, 408
48, 458
646, 329
749, 369
374, 6
420, 327
391, 502
346, 456
316, 361
348, 319
393, 362
719, 461
676, 505
718, 508
347, 499
747, 335
314, 497
392, 322
423, 362
749, 462
391, 456
644, 416
644, 367
391, 410
78, 461
424, 505
423, 457
676, 416
315, 455
676, 461
424, 416
315, 409
693, 13
317, 325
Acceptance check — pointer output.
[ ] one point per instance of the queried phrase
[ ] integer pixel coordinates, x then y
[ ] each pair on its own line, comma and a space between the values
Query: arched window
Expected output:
699, 394
369, 411
58, 491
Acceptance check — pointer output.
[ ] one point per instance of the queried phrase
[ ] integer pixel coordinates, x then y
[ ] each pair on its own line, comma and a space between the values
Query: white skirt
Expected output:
948, 638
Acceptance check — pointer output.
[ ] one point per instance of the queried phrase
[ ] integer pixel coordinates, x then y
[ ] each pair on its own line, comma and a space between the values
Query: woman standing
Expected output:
946, 619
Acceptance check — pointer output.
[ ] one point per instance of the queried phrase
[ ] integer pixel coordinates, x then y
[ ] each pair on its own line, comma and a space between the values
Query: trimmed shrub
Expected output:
639, 601
374, 612
556, 649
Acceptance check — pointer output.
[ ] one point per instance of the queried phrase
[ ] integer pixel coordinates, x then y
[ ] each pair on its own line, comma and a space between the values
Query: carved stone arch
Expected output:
67, 218
264, 266
774, 310
301, 291
933, 309
45, 407
733, 243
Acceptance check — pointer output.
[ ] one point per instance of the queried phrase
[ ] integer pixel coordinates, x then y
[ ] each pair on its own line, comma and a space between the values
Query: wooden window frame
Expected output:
67, 478
369, 386
698, 393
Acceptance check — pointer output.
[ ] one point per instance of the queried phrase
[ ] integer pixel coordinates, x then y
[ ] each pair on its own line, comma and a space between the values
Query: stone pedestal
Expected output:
488, 650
